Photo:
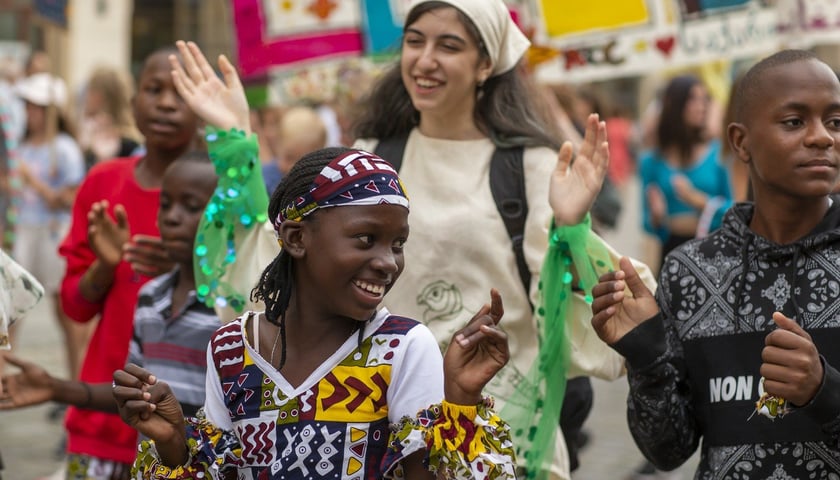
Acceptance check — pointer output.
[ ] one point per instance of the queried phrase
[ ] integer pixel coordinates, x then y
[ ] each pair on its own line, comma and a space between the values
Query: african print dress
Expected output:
338, 423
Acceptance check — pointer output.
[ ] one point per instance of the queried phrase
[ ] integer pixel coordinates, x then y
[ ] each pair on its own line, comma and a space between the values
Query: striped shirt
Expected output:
173, 346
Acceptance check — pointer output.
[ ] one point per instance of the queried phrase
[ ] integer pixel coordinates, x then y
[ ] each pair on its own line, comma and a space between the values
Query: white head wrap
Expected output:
502, 38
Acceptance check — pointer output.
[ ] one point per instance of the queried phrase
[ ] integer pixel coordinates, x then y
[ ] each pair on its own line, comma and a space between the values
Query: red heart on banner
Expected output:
665, 45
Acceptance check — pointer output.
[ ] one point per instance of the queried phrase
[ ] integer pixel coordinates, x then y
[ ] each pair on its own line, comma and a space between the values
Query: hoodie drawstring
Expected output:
745, 266
793, 283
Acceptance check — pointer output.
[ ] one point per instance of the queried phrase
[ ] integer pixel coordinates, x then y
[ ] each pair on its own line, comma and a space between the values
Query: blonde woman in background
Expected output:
107, 125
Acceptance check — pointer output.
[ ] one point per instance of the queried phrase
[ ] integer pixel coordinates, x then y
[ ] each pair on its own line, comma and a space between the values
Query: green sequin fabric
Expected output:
574, 261
238, 204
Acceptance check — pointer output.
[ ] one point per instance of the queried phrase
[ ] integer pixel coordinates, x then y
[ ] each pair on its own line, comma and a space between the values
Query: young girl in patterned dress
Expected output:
324, 383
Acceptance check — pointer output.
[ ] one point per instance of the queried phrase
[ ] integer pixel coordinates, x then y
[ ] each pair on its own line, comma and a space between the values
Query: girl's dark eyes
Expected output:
834, 123
367, 241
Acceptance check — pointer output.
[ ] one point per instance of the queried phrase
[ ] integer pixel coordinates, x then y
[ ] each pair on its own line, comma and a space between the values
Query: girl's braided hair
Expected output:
276, 283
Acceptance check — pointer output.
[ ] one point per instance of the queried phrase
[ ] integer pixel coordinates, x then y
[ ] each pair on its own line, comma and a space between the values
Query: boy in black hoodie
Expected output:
751, 309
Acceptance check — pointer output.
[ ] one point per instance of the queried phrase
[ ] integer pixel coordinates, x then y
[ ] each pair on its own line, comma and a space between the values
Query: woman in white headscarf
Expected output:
454, 98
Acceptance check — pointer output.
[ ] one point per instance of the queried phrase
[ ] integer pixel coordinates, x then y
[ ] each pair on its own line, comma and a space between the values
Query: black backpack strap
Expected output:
392, 150
507, 183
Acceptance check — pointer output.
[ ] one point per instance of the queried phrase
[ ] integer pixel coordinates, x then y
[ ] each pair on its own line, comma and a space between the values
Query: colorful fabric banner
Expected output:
382, 25
809, 23
567, 17
573, 41
635, 37
289, 33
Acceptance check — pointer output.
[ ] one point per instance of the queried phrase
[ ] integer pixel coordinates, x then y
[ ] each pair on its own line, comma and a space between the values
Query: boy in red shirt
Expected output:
112, 249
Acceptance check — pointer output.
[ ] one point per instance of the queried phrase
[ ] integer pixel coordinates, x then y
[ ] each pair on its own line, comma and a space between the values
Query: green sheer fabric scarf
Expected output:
574, 259
238, 204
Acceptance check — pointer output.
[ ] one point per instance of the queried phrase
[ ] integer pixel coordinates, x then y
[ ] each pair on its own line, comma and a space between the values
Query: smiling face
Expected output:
352, 257
441, 65
161, 115
186, 189
791, 132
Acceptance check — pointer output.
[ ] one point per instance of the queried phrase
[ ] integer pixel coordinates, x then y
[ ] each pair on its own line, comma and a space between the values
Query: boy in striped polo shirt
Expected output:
171, 326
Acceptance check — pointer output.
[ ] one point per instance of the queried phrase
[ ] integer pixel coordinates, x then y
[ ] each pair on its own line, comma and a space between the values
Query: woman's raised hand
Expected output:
475, 354
575, 184
220, 104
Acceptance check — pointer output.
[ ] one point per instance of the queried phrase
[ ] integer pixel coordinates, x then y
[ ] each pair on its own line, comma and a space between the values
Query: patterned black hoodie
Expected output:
694, 369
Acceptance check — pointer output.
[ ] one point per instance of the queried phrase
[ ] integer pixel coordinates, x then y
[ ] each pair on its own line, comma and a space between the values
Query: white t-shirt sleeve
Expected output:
416, 375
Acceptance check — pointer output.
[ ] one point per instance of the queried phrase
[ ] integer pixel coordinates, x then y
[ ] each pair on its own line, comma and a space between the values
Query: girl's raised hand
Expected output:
475, 354
150, 407
575, 184
221, 104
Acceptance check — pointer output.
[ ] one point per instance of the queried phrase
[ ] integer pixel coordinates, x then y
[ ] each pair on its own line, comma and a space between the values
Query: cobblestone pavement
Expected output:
28, 440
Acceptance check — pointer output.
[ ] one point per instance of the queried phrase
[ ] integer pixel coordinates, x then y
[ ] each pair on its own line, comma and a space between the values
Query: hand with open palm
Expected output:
33, 385
575, 184
107, 236
218, 103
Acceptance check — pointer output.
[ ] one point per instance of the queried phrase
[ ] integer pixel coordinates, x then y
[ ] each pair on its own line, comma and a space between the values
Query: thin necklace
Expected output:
279, 330
274, 346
